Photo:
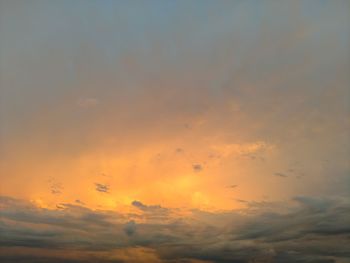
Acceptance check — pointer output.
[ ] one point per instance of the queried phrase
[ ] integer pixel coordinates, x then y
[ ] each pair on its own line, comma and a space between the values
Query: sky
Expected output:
175, 131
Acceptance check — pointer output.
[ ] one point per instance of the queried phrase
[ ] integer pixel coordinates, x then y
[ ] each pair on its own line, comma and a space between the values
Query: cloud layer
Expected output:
302, 230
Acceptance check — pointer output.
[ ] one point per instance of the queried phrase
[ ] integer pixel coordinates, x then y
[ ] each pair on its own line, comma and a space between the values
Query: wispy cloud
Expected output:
280, 174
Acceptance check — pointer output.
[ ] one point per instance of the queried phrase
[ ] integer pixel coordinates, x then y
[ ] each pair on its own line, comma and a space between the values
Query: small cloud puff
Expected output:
197, 167
103, 188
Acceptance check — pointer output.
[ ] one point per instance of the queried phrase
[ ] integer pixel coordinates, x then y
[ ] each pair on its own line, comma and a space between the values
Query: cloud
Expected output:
310, 230
197, 167
179, 150
79, 202
56, 189
103, 188
280, 174
130, 228
236, 74
149, 208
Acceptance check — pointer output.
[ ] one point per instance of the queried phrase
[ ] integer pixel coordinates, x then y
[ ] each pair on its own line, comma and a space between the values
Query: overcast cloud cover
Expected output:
175, 131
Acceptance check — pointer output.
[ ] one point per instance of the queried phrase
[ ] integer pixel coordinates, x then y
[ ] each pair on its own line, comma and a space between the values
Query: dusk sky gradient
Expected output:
175, 131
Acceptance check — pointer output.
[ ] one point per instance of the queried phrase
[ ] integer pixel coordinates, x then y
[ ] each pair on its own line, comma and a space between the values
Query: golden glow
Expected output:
154, 174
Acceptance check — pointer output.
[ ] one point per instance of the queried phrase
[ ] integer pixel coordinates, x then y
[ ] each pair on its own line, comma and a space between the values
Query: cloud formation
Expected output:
310, 230
143, 113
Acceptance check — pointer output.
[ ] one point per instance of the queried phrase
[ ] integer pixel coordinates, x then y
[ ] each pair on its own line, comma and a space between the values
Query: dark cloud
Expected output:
103, 188
130, 228
149, 208
197, 167
179, 150
291, 172
310, 230
79, 202
280, 174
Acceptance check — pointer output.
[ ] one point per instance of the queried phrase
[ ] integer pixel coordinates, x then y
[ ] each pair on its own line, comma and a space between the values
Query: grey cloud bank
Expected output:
313, 230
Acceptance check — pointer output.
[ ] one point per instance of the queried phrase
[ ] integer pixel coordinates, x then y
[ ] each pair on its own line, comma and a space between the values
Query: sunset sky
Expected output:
175, 131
